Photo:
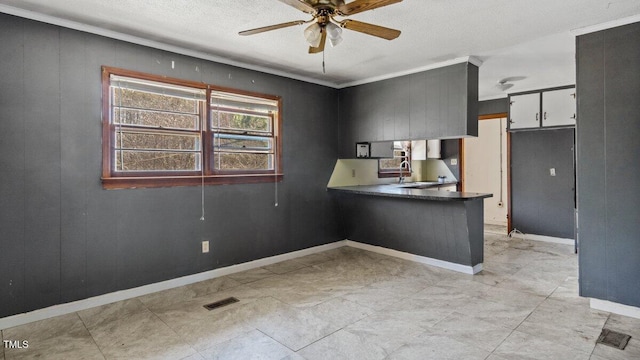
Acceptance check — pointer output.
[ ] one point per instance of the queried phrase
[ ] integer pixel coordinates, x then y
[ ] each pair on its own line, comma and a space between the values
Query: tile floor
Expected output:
351, 304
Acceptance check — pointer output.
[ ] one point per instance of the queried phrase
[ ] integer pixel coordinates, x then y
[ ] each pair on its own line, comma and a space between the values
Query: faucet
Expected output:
401, 177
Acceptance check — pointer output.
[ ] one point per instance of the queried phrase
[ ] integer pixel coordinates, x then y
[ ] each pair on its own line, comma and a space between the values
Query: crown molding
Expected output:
70, 24
466, 59
153, 44
606, 25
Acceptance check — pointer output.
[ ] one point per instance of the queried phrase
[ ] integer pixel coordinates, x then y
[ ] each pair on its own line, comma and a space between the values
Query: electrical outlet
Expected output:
205, 247
552, 171
353, 172
454, 162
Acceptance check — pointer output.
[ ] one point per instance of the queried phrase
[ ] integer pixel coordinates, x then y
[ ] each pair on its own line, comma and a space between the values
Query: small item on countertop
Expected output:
441, 179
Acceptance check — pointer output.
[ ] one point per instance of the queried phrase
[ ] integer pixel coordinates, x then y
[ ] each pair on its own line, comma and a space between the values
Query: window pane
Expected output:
145, 140
240, 142
155, 119
243, 161
240, 122
153, 101
157, 161
220, 99
401, 152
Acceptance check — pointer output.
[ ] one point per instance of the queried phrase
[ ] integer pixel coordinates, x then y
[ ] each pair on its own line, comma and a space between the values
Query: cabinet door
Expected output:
381, 149
434, 149
402, 102
432, 106
419, 150
559, 107
524, 111
417, 107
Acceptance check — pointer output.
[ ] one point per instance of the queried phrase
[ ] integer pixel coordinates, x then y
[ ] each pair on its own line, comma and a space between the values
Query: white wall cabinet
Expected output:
426, 149
543, 108
525, 111
559, 107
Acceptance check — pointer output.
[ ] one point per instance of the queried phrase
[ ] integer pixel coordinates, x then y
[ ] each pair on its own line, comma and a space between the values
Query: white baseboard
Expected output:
612, 307
68, 308
467, 269
549, 239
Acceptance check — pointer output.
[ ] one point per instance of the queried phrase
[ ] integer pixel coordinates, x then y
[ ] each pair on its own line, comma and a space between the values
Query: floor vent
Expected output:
613, 339
221, 303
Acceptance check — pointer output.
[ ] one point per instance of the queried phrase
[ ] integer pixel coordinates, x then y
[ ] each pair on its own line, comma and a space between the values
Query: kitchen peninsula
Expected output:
439, 228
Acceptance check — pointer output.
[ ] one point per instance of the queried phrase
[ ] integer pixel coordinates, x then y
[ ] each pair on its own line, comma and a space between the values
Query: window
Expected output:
392, 167
167, 132
243, 133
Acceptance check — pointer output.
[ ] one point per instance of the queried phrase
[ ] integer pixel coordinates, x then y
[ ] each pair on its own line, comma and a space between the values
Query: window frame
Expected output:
114, 179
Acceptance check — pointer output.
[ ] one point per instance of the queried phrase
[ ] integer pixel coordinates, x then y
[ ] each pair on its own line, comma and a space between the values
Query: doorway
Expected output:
485, 168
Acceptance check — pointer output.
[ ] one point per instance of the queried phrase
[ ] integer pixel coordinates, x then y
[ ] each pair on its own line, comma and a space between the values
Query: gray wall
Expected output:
450, 149
64, 238
542, 204
608, 159
495, 106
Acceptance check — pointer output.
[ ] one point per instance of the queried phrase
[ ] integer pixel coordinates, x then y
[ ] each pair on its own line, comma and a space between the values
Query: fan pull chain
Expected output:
323, 68
202, 126
275, 171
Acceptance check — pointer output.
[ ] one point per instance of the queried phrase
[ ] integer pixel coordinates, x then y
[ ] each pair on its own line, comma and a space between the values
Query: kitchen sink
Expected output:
416, 185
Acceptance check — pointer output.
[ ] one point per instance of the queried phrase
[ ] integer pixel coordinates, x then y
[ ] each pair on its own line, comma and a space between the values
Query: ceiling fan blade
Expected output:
320, 48
512, 78
271, 27
370, 29
300, 5
358, 6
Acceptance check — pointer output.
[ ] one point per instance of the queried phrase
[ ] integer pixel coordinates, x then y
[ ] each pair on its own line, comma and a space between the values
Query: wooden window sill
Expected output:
113, 183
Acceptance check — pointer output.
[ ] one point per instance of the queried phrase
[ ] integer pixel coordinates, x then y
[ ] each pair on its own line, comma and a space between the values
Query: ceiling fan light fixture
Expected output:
334, 32
336, 41
503, 85
313, 34
324, 25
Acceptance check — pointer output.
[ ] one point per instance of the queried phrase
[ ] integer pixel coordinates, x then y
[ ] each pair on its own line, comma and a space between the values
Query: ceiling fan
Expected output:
506, 83
324, 23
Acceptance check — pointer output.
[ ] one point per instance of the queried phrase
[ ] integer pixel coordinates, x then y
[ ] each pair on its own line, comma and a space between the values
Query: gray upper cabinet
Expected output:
543, 108
402, 109
446, 104
418, 104
433, 104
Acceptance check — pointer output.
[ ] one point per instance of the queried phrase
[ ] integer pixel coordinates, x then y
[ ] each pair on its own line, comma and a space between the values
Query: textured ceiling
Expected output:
530, 39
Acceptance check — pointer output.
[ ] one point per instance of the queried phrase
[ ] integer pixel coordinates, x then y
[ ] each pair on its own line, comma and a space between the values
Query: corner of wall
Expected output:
434, 168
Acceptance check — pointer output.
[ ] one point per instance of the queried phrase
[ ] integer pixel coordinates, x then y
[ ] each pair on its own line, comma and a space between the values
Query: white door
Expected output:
559, 107
525, 111
485, 168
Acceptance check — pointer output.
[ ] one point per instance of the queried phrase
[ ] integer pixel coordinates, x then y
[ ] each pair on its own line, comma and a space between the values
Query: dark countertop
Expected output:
394, 190
424, 184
